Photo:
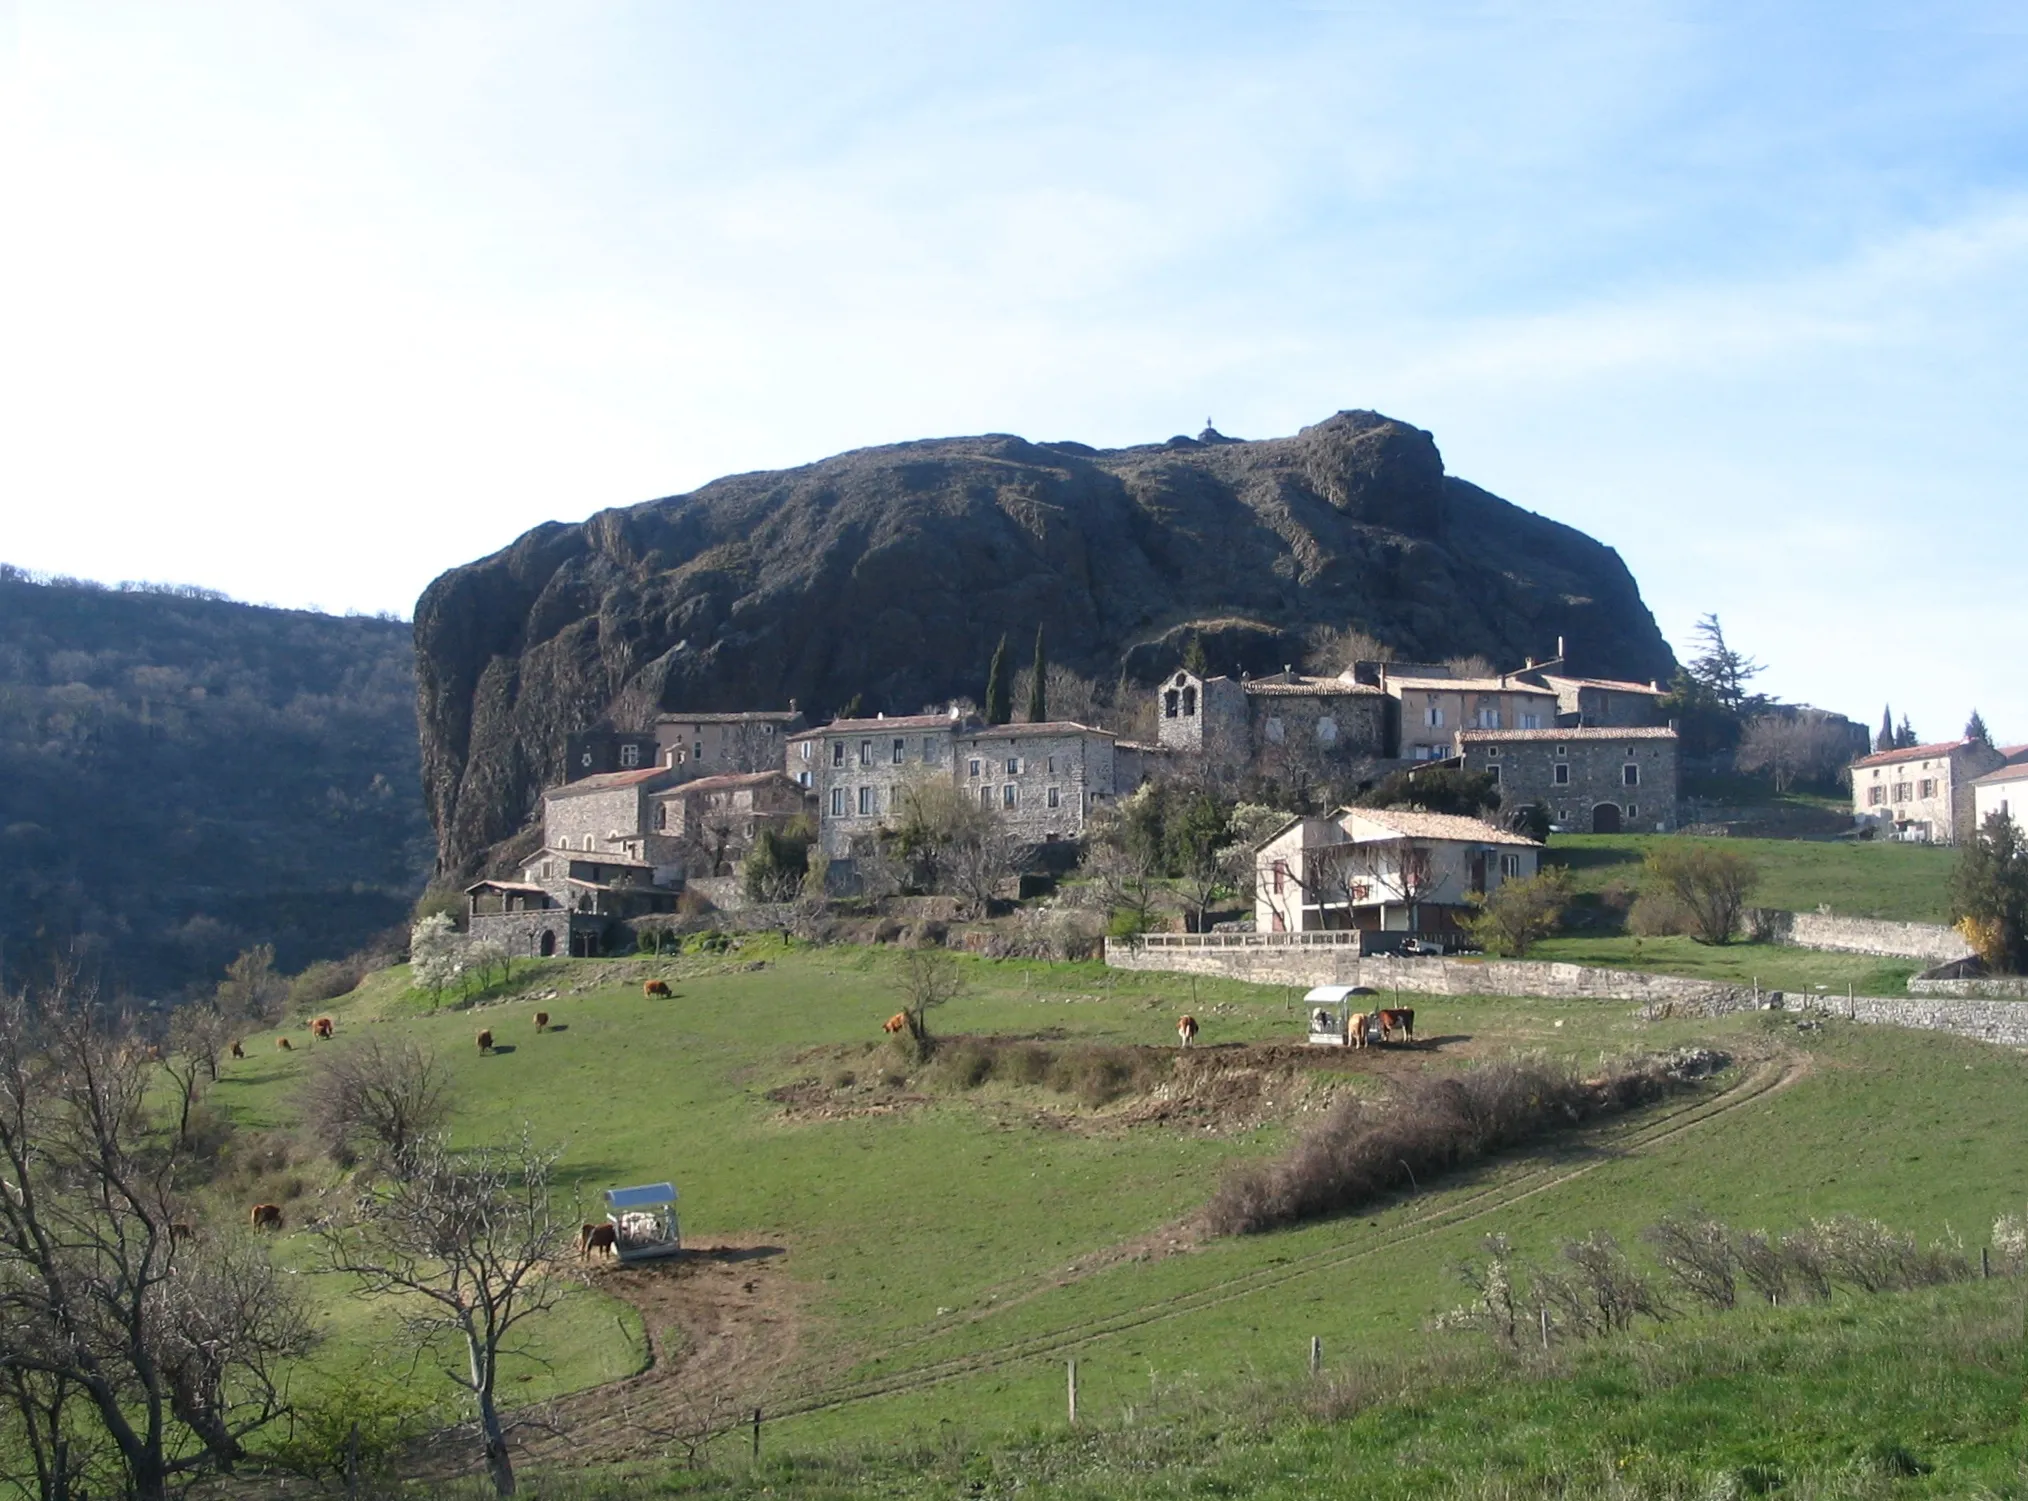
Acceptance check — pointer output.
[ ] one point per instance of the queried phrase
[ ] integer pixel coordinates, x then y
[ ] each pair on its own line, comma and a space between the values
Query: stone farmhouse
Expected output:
1045, 780
1431, 709
1286, 726
2004, 792
706, 827
1605, 702
1923, 793
1383, 871
707, 745
1592, 780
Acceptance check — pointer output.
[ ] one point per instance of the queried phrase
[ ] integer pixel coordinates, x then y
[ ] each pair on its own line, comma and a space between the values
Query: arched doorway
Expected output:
548, 944
1605, 818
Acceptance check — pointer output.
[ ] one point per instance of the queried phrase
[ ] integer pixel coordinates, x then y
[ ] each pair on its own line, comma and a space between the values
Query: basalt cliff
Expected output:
888, 574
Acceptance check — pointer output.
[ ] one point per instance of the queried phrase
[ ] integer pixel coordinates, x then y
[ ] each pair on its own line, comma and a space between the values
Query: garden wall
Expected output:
1857, 935
1991, 987
2003, 1022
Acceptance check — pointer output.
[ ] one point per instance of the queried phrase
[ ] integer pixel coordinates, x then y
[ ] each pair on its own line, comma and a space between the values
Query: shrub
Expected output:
1598, 1290
323, 981
1519, 914
1656, 914
1698, 1254
1709, 885
2010, 1240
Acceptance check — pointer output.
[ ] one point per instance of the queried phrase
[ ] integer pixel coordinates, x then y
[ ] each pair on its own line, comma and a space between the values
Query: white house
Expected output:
1923, 793
2004, 792
1388, 869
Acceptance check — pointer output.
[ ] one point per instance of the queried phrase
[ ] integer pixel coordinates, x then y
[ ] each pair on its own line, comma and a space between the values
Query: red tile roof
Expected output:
1935, 751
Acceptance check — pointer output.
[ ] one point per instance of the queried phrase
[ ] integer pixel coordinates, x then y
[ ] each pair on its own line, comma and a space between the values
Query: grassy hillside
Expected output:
912, 1251
1871, 878
182, 776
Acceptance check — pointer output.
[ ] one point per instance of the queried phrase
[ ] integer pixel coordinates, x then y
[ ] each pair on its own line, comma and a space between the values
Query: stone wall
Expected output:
521, 933
2002, 1022
1594, 764
1857, 935
1991, 987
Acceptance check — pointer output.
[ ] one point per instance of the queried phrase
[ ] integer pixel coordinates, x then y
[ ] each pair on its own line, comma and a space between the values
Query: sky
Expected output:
308, 303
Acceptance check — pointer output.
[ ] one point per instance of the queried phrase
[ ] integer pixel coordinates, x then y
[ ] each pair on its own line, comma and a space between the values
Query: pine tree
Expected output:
999, 691
1904, 738
1721, 669
1038, 696
1975, 728
1884, 741
1194, 660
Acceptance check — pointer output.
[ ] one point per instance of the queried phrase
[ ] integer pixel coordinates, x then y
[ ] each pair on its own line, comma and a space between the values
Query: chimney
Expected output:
1559, 648
880, 714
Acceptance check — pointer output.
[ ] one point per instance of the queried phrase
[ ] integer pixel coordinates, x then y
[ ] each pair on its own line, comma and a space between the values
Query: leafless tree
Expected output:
1699, 1255
930, 978
252, 992
1123, 867
1329, 649
389, 1092
1803, 746
463, 1243
1069, 696
162, 1349
949, 843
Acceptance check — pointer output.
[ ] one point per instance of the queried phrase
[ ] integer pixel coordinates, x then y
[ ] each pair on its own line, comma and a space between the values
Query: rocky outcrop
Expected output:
889, 573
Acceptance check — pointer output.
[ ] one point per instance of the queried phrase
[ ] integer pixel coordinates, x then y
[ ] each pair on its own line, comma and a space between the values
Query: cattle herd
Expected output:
1390, 1024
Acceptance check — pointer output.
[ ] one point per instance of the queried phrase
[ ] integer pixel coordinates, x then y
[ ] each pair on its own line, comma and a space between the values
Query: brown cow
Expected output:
1393, 1021
267, 1216
542, 1021
179, 1231
896, 1024
596, 1239
486, 1041
1186, 1029
655, 987
1355, 1029
282, 1043
321, 1027
238, 1051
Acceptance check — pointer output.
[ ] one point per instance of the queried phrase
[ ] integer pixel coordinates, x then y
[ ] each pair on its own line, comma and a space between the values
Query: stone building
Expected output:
1592, 780
1605, 702
706, 745
706, 827
566, 903
591, 753
2004, 792
1382, 869
1044, 779
610, 814
1290, 727
1923, 793
1432, 706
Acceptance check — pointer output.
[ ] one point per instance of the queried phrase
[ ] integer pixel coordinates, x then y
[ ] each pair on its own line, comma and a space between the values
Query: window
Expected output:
802, 779
661, 815
1926, 788
1052, 771
1493, 751
837, 753
1633, 810
1901, 792
929, 751
837, 802
1170, 700
1563, 773
869, 801
805, 749
1433, 717
1489, 719
1875, 796
697, 750
630, 755
1189, 703
900, 746
1009, 795
1273, 730
1327, 731
1281, 874
1494, 772
1630, 775
1510, 866
975, 766
1051, 797
1531, 721
1013, 766
985, 797
866, 753
1562, 751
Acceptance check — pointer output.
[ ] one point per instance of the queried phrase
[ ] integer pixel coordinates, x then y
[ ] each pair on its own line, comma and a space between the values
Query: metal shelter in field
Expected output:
644, 1221
1331, 1009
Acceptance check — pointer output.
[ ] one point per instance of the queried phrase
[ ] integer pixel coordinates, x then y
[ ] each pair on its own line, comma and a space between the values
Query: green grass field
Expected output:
946, 1253
1771, 966
1872, 878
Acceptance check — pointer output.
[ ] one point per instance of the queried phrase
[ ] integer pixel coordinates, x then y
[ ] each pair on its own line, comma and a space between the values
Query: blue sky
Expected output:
321, 300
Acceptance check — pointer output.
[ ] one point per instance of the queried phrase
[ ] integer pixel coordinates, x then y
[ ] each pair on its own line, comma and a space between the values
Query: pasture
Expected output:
896, 1246
1854, 878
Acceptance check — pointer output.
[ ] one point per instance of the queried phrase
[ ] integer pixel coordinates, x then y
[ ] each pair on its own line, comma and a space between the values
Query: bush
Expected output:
1519, 914
323, 981
1707, 886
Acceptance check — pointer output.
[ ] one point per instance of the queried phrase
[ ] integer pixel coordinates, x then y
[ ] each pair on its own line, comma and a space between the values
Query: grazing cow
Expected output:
179, 1231
1401, 1021
266, 1217
595, 1240
655, 987
486, 1041
1355, 1029
1186, 1028
282, 1045
896, 1024
322, 1027
542, 1021
238, 1051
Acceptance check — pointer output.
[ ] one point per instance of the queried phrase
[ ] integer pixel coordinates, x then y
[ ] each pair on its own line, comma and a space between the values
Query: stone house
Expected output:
1382, 869
566, 902
1289, 726
705, 745
610, 814
712, 822
1605, 702
1592, 780
1433, 706
1923, 793
591, 753
2004, 791
1044, 779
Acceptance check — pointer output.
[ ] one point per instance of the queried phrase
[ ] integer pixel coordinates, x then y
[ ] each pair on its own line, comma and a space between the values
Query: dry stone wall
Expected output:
1858, 935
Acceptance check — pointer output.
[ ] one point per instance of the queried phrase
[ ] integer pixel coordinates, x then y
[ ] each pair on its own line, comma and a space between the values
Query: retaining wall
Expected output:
2003, 1022
1989, 987
1857, 935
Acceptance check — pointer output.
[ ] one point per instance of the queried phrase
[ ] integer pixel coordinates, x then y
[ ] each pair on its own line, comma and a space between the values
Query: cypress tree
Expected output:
1904, 738
1885, 739
1975, 728
1194, 659
999, 692
1038, 695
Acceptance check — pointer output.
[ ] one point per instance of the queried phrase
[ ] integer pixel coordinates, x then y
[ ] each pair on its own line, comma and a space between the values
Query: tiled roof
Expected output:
503, 886
1614, 684
1412, 824
744, 716
1931, 752
595, 857
1045, 727
1468, 685
2016, 771
725, 781
875, 726
1591, 734
1310, 687
608, 781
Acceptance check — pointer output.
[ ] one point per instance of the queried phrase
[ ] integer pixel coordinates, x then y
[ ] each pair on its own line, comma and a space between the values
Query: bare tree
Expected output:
930, 977
949, 843
1068, 696
1330, 649
1801, 746
463, 1242
389, 1092
161, 1348
252, 991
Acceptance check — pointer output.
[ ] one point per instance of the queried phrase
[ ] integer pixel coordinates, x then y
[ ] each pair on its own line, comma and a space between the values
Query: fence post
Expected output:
756, 1432
1985, 1261
1316, 1353
1545, 1327
1073, 1391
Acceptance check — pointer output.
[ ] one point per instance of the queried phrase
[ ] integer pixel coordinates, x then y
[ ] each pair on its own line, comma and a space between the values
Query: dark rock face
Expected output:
891, 572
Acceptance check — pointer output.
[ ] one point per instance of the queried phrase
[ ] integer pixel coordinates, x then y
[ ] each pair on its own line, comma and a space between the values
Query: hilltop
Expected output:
182, 775
886, 576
